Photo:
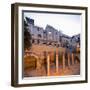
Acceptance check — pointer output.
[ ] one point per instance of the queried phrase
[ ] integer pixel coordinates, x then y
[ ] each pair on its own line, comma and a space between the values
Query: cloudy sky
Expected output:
67, 23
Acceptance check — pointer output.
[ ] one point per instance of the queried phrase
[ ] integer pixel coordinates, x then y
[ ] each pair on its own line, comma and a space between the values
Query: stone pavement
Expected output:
72, 70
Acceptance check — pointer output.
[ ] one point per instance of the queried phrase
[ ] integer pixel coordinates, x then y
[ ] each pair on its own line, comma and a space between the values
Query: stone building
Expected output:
65, 40
35, 31
75, 40
50, 35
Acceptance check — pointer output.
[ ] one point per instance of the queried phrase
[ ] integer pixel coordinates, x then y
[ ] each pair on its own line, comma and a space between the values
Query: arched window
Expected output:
33, 41
38, 41
39, 36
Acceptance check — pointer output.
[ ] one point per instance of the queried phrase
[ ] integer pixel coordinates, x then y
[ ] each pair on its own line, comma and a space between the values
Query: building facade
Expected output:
75, 40
50, 35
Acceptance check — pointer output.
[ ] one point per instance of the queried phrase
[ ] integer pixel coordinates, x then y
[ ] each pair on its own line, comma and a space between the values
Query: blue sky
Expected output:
67, 23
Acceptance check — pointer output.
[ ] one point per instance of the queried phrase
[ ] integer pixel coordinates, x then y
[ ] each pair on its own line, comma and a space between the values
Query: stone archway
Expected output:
38, 63
30, 62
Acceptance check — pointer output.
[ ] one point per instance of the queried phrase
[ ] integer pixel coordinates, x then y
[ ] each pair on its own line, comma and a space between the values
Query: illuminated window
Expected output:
49, 32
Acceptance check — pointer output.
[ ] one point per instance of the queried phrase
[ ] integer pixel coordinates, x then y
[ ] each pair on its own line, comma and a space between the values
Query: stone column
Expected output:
63, 60
48, 65
68, 59
57, 63
72, 58
38, 64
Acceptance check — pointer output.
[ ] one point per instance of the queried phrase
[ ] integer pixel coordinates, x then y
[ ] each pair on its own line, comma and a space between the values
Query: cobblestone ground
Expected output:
72, 70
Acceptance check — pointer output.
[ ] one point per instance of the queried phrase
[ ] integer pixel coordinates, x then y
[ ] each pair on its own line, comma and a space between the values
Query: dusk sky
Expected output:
67, 23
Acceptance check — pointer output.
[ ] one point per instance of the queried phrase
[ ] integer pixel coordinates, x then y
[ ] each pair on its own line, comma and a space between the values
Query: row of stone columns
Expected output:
57, 63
